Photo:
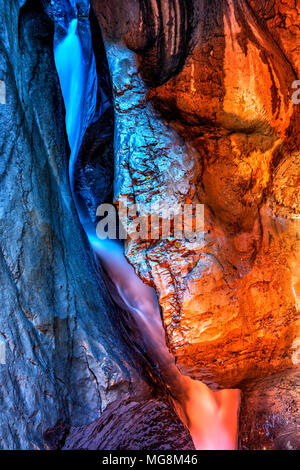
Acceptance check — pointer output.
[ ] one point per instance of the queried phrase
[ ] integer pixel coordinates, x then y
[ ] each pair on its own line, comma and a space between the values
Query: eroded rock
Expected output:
64, 354
129, 425
223, 131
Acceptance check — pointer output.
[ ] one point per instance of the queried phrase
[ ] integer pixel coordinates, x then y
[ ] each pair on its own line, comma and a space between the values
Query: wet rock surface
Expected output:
65, 356
269, 420
228, 299
270, 416
222, 132
127, 425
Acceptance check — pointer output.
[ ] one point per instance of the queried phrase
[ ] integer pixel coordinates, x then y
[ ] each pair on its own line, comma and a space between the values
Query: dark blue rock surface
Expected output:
65, 356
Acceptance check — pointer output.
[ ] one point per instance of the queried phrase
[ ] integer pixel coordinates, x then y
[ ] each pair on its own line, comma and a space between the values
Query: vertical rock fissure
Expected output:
210, 416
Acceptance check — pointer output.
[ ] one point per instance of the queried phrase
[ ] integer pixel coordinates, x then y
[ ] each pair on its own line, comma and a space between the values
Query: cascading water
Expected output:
210, 416
69, 64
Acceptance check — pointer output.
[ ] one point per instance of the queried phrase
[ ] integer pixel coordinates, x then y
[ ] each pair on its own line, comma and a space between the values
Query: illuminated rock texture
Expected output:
127, 424
213, 121
270, 416
65, 355
203, 112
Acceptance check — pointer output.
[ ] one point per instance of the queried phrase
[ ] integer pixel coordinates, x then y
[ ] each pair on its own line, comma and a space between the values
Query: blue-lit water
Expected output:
210, 417
78, 81
70, 67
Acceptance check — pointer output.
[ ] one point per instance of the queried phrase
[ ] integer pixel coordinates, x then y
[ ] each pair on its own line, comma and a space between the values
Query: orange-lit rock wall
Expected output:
220, 128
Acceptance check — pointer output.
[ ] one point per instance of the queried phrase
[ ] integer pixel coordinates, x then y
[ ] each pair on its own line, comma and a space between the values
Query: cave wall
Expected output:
270, 416
218, 128
228, 301
65, 358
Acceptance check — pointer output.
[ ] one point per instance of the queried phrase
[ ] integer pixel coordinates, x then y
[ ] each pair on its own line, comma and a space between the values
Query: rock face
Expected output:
127, 425
219, 128
202, 113
269, 420
66, 357
270, 416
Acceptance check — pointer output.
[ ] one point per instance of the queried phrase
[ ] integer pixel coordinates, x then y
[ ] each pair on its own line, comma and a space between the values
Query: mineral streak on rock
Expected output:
224, 132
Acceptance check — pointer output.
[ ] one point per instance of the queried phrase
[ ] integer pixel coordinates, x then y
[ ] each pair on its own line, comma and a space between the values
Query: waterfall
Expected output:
69, 63
210, 416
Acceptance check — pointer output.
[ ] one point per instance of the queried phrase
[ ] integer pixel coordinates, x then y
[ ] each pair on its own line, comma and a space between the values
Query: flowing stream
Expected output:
211, 417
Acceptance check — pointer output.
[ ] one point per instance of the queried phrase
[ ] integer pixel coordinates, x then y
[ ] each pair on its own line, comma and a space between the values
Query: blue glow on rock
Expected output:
69, 63
211, 417
78, 81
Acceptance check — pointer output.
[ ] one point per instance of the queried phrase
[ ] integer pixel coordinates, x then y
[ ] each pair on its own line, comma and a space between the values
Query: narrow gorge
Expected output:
149, 338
